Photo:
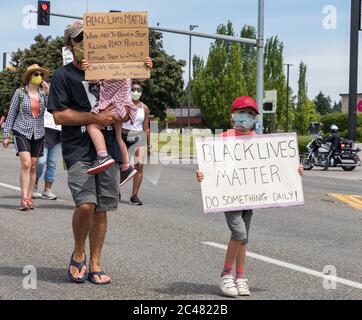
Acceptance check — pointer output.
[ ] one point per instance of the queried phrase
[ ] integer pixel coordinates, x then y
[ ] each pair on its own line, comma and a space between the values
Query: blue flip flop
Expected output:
99, 274
79, 266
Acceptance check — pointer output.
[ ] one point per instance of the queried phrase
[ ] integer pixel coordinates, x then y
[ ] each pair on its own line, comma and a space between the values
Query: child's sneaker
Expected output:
227, 286
101, 164
242, 287
127, 175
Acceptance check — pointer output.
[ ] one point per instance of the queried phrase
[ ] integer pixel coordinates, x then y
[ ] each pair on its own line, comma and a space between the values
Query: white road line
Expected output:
8, 186
292, 267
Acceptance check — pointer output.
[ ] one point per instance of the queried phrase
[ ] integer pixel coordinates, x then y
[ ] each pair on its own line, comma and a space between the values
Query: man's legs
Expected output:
82, 218
107, 198
97, 235
83, 189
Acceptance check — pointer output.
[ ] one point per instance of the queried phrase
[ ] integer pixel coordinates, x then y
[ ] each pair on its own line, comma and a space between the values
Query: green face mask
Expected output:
36, 80
78, 51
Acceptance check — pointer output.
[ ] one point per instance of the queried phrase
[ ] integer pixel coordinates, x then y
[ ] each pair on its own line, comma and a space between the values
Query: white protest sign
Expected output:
249, 172
67, 56
49, 122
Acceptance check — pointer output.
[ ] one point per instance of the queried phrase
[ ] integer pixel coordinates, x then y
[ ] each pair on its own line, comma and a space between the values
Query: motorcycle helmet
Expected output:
334, 128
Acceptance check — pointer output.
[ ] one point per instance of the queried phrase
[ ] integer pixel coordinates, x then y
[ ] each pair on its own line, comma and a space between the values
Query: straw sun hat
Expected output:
34, 68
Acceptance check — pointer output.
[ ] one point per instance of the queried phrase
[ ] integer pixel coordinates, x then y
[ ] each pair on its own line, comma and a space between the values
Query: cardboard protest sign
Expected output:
67, 56
49, 122
116, 45
249, 172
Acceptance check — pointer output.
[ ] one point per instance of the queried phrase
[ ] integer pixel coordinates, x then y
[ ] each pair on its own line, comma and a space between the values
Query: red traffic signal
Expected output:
43, 13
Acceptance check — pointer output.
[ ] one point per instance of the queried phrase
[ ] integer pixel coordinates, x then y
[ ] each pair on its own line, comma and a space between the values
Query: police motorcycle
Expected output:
318, 151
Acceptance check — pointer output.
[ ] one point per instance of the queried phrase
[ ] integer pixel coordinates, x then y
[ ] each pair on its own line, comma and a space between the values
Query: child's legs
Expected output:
122, 146
241, 255
95, 133
237, 243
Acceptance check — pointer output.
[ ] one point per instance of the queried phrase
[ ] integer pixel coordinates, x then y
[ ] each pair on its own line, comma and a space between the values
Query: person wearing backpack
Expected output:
26, 121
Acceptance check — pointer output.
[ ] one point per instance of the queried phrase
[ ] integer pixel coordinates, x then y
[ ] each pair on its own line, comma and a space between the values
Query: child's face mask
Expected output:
243, 121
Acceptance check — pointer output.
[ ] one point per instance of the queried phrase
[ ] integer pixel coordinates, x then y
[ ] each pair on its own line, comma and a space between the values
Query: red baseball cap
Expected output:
244, 102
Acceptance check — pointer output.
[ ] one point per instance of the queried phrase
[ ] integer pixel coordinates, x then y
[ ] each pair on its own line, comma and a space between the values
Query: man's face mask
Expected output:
78, 51
243, 121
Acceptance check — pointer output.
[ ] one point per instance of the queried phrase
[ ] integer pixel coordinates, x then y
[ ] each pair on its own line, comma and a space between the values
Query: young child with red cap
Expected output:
244, 111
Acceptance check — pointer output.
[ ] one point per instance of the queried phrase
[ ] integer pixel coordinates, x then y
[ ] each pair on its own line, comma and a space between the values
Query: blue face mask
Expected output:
243, 121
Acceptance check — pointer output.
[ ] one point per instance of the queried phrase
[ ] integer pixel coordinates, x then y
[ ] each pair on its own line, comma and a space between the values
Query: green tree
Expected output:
45, 52
337, 106
164, 89
198, 65
274, 78
170, 118
306, 109
220, 81
249, 60
323, 103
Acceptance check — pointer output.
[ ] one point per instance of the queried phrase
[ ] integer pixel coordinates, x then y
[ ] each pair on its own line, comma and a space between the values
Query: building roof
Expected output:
347, 94
194, 112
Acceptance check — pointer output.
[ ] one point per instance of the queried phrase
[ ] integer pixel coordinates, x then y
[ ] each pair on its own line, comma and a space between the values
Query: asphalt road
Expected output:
158, 251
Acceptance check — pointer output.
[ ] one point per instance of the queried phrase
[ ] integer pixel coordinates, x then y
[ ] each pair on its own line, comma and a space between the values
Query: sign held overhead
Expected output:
116, 45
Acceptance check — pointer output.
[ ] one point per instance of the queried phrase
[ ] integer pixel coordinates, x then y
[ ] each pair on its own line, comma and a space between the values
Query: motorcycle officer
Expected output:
334, 139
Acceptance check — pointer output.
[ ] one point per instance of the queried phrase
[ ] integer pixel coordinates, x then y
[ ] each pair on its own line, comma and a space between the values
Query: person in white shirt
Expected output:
137, 138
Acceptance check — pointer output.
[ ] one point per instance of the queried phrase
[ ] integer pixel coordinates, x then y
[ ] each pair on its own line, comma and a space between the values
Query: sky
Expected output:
313, 31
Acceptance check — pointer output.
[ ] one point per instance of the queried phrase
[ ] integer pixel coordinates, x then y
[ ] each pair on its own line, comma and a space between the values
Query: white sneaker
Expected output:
242, 287
36, 193
49, 195
227, 286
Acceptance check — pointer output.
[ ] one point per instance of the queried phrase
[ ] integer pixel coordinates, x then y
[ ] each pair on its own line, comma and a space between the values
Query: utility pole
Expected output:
260, 66
353, 68
192, 27
287, 106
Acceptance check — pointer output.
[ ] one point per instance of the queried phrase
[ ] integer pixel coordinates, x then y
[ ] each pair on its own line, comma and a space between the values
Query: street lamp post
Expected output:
287, 106
192, 27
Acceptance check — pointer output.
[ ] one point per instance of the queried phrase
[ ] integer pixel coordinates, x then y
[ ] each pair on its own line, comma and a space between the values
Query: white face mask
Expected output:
243, 121
136, 95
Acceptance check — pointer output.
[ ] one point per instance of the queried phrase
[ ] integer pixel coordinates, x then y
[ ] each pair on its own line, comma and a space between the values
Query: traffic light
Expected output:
43, 13
270, 101
268, 107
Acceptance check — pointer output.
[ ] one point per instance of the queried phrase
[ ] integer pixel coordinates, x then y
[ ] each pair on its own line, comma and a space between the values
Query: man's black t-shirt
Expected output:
68, 90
